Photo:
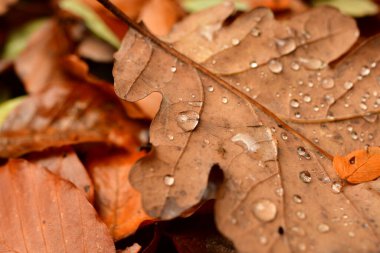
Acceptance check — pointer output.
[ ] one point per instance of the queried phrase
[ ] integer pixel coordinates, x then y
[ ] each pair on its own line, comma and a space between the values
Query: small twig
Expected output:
132, 24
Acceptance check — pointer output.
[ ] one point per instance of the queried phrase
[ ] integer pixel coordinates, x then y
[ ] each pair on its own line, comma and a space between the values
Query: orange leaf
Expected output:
118, 204
42, 213
65, 163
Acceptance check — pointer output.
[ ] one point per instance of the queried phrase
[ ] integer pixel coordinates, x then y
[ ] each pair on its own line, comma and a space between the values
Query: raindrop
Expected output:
301, 215
224, 100
173, 69
323, 228
354, 135
336, 187
363, 106
169, 180
280, 191
235, 42
310, 84
210, 88
316, 108
365, 71
302, 246
297, 115
348, 85
294, 103
297, 199
256, 32
301, 151
285, 46
298, 231
371, 118
265, 210
373, 64
187, 120
307, 98
250, 144
351, 234
328, 83
253, 64
263, 240
170, 137
312, 64
305, 176
295, 66
275, 66
195, 103
350, 128
284, 136
329, 99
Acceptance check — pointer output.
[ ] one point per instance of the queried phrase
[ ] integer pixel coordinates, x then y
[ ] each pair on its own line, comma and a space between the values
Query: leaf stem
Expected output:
169, 49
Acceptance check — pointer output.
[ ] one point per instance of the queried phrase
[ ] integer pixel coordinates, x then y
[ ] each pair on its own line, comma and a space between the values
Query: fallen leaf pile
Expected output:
238, 158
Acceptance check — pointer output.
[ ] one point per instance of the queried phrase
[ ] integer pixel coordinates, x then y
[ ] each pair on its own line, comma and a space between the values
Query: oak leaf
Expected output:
280, 192
43, 213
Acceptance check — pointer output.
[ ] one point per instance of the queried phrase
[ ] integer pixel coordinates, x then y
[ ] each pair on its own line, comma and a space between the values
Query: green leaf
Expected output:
91, 20
18, 39
198, 5
354, 8
7, 106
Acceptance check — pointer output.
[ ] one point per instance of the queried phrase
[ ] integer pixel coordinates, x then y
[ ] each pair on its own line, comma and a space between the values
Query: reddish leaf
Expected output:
65, 163
42, 213
118, 204
62, 109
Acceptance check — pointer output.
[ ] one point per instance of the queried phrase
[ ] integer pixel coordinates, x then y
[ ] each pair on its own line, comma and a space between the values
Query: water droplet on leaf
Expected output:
253, 64
275, 66
265, 210
297, 199
305, 176
328, 83
169, 180
336, 187
348, 85
187, 120
323, 228
294, 103
285, 46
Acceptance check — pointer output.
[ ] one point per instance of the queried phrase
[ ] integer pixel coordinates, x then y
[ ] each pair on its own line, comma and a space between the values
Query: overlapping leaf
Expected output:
62, 109
280, 193
48, 214
118, 204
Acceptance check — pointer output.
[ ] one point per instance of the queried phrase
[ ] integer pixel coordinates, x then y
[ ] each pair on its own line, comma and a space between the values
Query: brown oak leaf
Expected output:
280, 193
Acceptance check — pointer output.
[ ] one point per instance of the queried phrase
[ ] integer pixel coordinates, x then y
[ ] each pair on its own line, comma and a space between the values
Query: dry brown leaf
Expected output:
5, 4
285, 67
158, 15
38, 66
280, 193
62, 109
65, 163
43, 213
118, 204
74, 113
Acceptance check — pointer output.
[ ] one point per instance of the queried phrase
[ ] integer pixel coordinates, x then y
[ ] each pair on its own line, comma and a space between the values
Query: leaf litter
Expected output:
280, 192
